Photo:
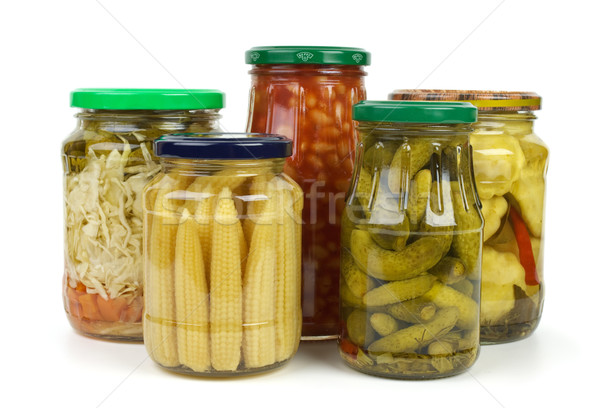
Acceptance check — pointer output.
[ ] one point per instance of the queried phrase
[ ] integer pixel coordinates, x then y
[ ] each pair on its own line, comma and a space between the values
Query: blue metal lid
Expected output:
222, 146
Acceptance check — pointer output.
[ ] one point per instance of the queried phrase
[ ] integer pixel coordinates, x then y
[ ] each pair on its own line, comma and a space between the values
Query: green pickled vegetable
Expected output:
399, 291
444, 296
417, 336
418, 197
449, 270
384, 324
416, 310
359, 329
357, 281
411, 261
409, 158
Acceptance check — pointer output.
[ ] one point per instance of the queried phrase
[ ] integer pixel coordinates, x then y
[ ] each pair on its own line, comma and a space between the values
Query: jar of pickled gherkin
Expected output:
107, 161
306, 94
510, 163
222, 261
411, 243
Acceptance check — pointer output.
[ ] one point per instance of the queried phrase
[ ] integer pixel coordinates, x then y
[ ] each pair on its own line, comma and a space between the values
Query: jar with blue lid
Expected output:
222, 257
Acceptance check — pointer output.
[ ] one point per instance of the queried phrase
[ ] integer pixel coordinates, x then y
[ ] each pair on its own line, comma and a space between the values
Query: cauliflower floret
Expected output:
497, 162
492, 210
501, 268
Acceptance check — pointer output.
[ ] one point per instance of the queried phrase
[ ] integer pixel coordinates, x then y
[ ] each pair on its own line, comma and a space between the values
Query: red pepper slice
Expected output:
525, 249
349, 348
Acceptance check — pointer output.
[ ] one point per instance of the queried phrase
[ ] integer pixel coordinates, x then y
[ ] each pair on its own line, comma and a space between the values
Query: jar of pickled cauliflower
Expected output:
222, 269
306, 94
510, 163
107, 161
411, 243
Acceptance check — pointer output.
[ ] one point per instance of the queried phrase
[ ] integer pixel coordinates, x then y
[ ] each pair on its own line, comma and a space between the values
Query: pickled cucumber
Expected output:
399, 291
417, 310
409, 158
449, 270
411, 261
418, 196
417, 336
444, 296
359, 329
358, 282
379, 155
383, 323
464, 286
467, 243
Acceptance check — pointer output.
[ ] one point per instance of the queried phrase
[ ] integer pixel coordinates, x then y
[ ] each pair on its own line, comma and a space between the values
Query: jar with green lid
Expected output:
222, 260
411, 243
306, 94
510, 163
107, 161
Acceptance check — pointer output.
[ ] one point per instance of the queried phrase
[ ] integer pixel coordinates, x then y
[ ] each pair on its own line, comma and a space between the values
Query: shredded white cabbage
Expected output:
103, 206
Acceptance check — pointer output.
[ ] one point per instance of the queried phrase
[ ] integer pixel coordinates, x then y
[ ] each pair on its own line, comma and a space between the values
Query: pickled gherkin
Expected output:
415, 232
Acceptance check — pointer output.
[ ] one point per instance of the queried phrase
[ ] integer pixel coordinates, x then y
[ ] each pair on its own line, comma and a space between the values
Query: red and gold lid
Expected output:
483, 100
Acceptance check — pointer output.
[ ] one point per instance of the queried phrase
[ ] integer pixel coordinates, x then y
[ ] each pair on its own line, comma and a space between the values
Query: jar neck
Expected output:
308, 69
389, 131
491, 120
99, 117
245, 168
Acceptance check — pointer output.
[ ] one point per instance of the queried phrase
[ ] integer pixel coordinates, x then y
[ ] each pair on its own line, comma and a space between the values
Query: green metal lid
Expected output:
415, 112
151, 99
308, 55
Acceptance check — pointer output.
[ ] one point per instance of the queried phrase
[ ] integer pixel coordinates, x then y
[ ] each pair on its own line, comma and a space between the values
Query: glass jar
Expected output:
411, 243
222, 258
306, 94
107, 161
510, 163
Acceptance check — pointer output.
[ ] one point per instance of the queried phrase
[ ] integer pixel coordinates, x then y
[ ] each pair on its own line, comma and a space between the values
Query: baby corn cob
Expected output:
287, 297
298, 197
225, 286
191, 297
255, 207
159, 324
204, 219
259, 291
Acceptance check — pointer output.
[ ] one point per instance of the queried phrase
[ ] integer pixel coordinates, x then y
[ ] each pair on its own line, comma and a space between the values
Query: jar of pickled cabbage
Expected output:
222, 267
107, 161
510, 163
411, 243
306, 94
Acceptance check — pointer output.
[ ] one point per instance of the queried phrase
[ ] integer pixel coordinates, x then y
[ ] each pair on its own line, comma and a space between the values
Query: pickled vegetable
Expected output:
410, 273
512, 292
239, 310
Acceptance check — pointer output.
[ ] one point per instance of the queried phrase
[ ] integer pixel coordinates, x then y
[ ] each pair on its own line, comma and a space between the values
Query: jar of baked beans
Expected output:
306, 94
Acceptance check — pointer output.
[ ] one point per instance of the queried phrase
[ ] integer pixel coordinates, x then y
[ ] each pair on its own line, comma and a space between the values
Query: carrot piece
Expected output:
89, 307
80, 287
133, 312
111, 309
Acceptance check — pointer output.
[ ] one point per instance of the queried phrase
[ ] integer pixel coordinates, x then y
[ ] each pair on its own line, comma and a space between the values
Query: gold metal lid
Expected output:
483, 100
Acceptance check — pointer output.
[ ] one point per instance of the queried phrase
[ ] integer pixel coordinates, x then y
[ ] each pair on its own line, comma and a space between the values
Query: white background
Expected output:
48, 48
